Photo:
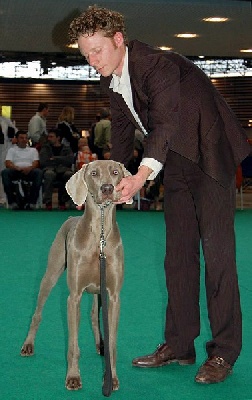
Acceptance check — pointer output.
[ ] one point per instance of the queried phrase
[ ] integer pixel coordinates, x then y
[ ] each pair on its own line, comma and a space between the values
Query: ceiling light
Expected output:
246, 51
73, 45
186, 35
165, 48
216, 19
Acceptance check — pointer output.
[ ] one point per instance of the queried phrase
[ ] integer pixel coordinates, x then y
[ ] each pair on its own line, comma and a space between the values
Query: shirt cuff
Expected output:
153, 164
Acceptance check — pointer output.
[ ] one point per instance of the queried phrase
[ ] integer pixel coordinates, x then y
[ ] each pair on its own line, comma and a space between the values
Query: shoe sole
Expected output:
209, 381
180, 362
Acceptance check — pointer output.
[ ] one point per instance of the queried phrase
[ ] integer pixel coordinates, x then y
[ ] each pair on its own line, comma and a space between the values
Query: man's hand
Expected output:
130, 185
26, 170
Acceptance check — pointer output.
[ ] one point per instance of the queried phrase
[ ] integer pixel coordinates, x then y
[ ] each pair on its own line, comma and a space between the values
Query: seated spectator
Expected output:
56, 160
22, 163
152, 194
7, 139
134, 163
84, 155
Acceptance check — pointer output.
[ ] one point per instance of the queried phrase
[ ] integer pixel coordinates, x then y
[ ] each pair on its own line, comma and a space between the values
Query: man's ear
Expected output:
118, 38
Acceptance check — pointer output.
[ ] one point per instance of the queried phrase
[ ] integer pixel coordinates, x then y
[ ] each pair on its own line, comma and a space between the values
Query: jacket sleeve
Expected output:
44, 157
66, 158
122, 133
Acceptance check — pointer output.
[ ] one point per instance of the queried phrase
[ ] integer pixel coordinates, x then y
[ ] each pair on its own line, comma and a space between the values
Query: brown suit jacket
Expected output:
181, 110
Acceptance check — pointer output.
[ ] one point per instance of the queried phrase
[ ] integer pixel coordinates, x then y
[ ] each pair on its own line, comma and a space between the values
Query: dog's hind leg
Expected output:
113, 318
95, 317
55, 267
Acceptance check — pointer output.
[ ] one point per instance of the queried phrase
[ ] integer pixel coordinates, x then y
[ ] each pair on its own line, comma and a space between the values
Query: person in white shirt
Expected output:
22, 163
7, 133
37, 131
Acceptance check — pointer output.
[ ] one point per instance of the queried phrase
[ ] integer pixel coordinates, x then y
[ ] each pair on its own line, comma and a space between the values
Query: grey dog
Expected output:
77, 247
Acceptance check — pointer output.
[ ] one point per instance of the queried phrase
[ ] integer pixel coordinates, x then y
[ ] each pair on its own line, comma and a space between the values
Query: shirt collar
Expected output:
124, 79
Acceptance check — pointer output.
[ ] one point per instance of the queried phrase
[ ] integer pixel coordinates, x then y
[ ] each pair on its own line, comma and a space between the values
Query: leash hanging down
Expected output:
107, 380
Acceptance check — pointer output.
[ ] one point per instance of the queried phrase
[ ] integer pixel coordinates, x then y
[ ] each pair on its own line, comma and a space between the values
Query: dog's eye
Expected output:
115, 172
93, 173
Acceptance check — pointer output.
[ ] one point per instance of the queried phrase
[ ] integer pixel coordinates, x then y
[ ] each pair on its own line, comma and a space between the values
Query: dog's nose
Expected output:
107, 188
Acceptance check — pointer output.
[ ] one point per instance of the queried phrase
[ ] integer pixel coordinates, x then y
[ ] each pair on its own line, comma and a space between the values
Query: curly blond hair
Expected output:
96, 19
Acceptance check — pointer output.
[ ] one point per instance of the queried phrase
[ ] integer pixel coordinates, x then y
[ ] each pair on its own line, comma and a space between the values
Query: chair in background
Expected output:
21, 190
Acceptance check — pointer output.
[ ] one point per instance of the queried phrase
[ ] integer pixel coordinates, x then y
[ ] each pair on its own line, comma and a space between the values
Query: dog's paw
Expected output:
115, 383
73, 383
27, 350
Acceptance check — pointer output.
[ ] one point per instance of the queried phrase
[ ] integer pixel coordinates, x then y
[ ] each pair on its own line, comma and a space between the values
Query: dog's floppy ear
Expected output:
76, 187
125, 171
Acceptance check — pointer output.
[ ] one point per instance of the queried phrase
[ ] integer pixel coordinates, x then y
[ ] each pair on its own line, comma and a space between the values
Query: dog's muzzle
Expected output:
107, 189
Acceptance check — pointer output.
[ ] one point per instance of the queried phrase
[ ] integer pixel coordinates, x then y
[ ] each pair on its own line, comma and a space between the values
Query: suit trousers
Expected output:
199, 211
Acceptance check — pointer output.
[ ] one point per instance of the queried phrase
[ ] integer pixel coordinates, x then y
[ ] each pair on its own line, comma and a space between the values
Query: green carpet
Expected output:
25, 241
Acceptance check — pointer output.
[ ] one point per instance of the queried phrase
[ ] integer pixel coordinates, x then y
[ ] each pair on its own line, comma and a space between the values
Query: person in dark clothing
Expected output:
91, 136
69, 133
56, 160
191, 132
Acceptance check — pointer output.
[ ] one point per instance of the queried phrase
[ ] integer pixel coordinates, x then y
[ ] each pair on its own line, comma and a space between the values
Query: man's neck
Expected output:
119, 69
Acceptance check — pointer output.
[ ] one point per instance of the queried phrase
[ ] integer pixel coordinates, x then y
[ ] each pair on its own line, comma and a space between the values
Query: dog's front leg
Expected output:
95, 317
113, 318
73, 379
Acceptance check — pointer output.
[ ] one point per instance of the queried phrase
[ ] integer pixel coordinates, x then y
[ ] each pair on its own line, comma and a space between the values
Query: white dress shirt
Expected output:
121, 84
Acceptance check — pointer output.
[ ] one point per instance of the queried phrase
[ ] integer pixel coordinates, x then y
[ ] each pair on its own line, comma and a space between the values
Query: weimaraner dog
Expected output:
77, 248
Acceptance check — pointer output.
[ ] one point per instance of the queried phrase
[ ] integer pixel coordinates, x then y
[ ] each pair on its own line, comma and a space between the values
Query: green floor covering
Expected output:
24, 245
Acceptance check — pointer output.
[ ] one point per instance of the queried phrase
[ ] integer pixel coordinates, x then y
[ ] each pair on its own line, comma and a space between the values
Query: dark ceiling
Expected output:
33, 29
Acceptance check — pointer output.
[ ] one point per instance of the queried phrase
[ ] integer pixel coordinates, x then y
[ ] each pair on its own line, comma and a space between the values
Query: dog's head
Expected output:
99, 178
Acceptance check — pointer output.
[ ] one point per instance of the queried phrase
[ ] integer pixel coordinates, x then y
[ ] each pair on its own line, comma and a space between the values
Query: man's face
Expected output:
22, 140
105, 54
52, 138
45, 112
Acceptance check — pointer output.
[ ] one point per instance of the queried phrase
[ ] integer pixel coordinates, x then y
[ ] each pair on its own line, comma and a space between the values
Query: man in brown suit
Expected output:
193, 134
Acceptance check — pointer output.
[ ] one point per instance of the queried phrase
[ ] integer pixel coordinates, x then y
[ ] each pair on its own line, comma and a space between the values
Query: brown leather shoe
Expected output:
162, 356
214, 370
